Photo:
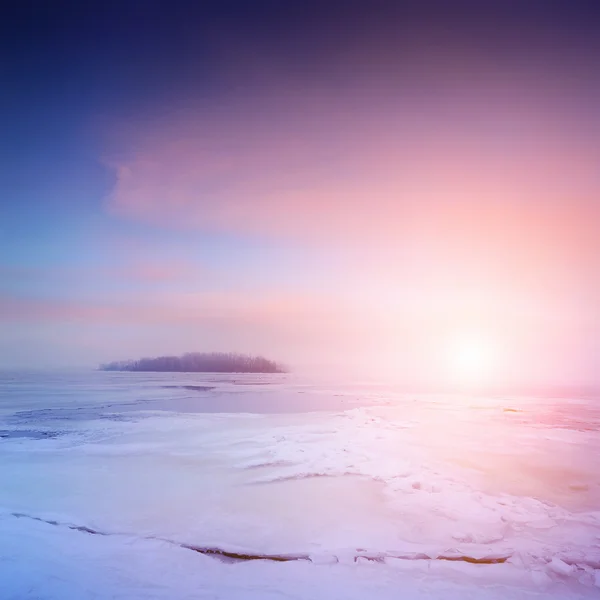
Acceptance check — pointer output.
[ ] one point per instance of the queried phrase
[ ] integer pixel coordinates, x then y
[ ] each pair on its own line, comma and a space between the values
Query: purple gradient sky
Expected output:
345, 187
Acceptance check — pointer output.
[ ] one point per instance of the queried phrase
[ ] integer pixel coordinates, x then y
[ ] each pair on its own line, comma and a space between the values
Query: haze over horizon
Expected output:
406, 188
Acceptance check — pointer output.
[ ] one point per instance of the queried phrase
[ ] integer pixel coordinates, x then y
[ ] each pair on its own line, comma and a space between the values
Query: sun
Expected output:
470, 359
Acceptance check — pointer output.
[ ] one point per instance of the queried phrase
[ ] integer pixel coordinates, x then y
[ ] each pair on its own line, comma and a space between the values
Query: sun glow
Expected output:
470, 359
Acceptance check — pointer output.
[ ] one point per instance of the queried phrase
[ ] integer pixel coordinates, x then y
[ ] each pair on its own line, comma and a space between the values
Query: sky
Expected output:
383, 187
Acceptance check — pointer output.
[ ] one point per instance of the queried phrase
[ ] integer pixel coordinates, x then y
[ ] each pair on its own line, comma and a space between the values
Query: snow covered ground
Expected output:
131, 485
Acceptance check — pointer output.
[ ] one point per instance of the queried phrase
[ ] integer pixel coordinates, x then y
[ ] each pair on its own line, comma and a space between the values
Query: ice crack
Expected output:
238, 556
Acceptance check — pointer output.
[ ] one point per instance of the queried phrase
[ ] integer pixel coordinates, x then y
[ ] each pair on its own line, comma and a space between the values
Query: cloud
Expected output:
285, 325
153, 272
168, 308
131, 271
340, 172
493, 199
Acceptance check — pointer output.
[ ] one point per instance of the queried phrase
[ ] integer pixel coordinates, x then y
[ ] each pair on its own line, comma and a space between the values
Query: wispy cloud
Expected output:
167, 308
500, 186
503, 198
136, 271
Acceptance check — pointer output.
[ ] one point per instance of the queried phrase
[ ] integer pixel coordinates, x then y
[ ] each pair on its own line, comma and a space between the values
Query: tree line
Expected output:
199, 362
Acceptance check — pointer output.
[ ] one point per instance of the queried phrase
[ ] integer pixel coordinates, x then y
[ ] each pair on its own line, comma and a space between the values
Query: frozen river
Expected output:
132, 485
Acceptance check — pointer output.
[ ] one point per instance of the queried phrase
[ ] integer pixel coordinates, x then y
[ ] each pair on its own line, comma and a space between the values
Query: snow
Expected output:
41, 561
373, 489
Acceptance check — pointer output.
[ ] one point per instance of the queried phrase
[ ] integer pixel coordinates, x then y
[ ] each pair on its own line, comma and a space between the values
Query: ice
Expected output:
40, 561
323, 559
560, 567
436, 494
541, 579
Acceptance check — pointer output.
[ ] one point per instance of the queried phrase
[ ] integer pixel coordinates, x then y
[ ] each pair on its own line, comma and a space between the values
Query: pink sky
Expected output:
361, 213
476, 213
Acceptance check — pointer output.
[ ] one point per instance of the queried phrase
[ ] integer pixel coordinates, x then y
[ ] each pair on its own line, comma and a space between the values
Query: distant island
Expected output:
199, 362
